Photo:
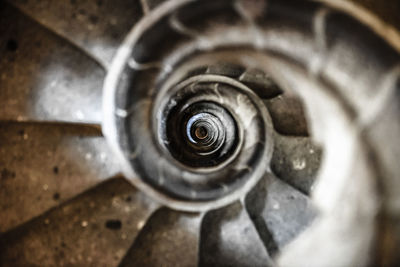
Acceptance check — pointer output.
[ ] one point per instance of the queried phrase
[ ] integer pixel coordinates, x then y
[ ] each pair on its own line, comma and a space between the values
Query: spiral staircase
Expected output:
199, 133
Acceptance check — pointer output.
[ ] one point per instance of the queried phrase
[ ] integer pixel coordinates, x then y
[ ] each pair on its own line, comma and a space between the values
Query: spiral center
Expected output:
201, 132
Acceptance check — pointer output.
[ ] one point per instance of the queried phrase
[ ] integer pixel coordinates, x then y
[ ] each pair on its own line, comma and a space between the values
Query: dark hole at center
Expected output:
201, 132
